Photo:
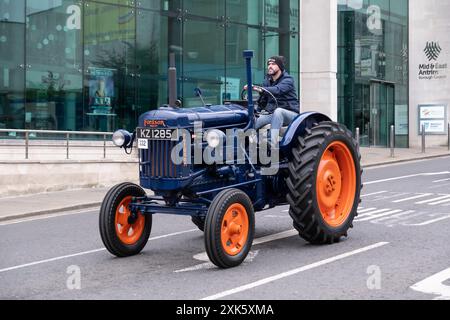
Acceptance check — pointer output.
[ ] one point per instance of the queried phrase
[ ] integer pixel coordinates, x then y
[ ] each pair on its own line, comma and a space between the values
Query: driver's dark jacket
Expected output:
284, 91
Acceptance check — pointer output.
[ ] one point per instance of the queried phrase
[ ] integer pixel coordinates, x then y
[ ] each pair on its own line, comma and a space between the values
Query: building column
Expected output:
318, 57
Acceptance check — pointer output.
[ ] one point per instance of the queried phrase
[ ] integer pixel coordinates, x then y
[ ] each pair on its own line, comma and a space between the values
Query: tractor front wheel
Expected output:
229, 228
122, 233
324, 183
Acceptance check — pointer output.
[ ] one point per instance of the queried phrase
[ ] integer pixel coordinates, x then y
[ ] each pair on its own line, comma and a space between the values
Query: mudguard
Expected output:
298, 128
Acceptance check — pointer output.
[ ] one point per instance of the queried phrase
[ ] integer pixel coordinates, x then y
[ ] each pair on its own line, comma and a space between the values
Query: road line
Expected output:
442, 180
366, 210
433, 200
426, 223
371, 213
273, 237
413, 198
396, 216
51, 216
380, 215
407, 177
294, 272
372, 194
439, 202
85, 253
435, 285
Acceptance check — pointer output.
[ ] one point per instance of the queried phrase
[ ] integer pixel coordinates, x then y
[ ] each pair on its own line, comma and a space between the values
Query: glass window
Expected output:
12, 64
53, 64
373, 53
110, 67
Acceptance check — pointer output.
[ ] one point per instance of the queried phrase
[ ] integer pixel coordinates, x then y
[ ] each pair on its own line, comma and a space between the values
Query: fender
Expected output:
298, 128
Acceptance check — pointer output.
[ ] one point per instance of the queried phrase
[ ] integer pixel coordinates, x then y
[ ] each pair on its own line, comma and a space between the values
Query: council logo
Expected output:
432, 50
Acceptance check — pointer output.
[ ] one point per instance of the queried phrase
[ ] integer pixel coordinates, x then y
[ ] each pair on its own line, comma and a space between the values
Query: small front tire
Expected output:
122, 235
229, 228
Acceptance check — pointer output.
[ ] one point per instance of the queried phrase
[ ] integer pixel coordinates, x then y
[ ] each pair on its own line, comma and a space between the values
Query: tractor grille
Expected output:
156, 162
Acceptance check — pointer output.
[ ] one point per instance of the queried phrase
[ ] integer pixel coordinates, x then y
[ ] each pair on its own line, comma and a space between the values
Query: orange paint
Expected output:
235, 228
336, 184
127, 233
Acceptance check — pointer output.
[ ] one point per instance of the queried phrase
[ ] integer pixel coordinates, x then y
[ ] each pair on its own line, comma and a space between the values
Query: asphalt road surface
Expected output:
398, 249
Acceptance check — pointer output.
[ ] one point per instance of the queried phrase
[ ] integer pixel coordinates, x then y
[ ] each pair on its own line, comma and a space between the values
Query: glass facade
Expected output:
98, 65
373, 69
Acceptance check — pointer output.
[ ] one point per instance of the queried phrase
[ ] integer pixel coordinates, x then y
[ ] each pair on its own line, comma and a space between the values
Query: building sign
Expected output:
433, 69
434, 118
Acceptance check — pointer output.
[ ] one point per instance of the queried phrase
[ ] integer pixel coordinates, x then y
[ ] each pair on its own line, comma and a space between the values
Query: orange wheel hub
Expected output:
235, 227
336, 184
128, 233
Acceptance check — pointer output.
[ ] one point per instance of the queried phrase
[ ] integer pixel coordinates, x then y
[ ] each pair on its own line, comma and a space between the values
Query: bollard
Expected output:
67, 146
423, 139
357, 136
27, 145
104, 146
448, 133
392, 142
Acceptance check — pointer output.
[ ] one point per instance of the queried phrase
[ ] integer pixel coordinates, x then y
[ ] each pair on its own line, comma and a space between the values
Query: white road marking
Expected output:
50, 216
204, 256
433, 200
407, 177
423, 195
439, 202
293, 272
366, 210
85, 253
426, 223
208, 265
442, 180
379, 215
372, 194
435, 285
396, 216
371, 213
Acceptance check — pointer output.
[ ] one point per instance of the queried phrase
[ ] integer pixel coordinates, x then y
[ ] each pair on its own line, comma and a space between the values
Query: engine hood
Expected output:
210, 117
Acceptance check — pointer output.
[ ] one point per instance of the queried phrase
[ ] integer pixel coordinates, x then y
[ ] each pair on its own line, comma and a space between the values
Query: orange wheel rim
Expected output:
128, 233
336, 184
234, 232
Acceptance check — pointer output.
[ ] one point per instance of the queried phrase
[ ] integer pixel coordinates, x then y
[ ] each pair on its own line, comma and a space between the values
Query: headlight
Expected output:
214, 138
121, 138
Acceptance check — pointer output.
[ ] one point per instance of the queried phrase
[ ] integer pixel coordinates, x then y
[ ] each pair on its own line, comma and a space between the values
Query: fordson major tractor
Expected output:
318, 175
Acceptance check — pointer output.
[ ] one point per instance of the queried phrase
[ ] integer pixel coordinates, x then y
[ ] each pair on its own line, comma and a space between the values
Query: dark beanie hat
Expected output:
279, 61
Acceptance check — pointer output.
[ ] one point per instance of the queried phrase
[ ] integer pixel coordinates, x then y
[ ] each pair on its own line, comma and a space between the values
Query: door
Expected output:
382, 103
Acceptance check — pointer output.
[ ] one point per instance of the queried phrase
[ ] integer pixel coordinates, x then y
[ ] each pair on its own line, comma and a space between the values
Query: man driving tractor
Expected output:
278, 95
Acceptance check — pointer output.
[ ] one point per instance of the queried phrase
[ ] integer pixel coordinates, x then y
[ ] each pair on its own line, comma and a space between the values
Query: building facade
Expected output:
97, 65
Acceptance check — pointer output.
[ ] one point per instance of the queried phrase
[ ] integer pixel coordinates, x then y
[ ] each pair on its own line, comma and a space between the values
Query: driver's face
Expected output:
272, 68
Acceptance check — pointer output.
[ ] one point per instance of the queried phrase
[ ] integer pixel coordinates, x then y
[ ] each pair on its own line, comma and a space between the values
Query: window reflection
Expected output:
98, 65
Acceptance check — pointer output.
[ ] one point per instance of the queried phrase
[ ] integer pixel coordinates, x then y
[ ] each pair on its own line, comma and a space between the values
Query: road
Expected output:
399, 249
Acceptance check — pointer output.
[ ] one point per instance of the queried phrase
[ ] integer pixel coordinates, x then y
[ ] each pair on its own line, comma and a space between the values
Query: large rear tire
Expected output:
229, 228
122, 235
324, 183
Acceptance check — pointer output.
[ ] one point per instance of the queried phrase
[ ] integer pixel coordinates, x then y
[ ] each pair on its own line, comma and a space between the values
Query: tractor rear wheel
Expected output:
229, 228
122, 234
324, 183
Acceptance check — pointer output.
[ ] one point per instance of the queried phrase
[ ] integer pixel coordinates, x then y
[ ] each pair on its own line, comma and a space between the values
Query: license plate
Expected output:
155, 134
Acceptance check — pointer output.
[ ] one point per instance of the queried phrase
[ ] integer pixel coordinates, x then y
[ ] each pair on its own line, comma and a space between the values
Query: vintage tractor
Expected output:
318, 174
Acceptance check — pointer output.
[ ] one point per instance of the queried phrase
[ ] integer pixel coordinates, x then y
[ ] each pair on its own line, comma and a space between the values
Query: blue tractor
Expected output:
318, 175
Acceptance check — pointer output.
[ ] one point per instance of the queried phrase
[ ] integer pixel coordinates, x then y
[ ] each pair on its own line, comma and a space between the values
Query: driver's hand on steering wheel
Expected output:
255, 88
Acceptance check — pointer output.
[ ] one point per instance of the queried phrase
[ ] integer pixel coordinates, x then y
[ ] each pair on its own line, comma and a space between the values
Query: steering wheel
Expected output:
244, 96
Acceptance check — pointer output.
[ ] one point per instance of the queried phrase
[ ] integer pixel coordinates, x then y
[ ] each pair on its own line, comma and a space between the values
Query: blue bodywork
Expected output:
188, 189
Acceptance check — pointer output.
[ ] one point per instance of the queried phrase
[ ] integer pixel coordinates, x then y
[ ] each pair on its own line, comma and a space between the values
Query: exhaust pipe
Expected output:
173, 95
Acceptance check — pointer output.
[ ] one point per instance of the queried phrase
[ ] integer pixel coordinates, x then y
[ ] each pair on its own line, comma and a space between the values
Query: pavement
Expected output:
21, 207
